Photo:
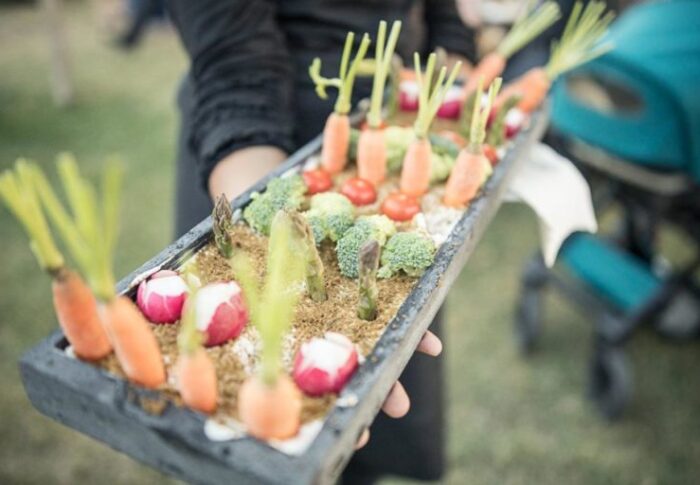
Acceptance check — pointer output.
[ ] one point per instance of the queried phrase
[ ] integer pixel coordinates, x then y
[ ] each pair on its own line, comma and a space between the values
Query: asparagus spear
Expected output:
369, 262
222, 218
315, 282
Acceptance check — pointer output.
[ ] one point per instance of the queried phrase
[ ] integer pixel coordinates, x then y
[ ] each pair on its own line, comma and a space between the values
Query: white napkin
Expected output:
559, 195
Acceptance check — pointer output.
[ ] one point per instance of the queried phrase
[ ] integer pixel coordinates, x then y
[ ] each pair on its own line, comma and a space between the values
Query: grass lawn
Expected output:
510, 421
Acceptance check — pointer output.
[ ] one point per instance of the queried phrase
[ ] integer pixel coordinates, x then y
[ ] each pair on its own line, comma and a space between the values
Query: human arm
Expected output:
242, 78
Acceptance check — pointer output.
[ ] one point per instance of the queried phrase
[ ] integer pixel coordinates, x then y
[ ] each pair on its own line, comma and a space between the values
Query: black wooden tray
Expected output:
108, 408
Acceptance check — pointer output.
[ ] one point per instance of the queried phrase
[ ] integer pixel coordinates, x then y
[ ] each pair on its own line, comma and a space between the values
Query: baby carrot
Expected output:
194, 370
74, 303
269, 403
76, 310
90, 234
470, 169
579, 44
336, 134
534, 21
134, 343
371, 148
415, 174
270, 411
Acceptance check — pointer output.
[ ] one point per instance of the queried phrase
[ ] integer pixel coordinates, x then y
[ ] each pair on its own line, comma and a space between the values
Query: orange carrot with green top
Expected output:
580, 43
194, 370
415, 175
74, 303
269, 403
471, 167
91, 235
535, 20
336, 133
371, 147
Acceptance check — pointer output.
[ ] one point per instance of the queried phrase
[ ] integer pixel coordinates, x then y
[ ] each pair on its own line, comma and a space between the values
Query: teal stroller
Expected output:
636, 137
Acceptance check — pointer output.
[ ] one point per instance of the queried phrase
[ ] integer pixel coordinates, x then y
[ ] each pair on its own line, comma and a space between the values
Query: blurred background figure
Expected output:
141, 15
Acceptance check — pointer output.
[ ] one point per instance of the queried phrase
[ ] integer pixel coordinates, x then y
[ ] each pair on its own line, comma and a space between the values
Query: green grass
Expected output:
510, 421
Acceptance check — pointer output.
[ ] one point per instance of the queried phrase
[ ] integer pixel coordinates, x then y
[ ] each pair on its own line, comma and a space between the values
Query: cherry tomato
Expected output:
400, 207
491, 154
359, 191
317, 181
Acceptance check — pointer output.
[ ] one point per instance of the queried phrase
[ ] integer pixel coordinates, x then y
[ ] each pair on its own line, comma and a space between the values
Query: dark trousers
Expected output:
412, 446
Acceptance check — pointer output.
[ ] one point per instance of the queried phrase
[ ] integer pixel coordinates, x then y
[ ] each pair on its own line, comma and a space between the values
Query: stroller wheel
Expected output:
528, 315
610, 385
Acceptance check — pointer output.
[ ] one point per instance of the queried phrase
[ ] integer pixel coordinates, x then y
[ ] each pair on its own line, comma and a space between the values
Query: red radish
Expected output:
324, 365
514, 122
317, 181
359, 191
408, 95
451, 107
221, 313
162, 296
400, 207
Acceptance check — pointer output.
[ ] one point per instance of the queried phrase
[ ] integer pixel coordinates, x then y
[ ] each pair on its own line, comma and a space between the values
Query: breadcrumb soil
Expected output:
312, 319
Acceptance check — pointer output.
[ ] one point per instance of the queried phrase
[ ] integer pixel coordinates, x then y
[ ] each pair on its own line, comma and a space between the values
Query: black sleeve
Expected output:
242, 76
446, 29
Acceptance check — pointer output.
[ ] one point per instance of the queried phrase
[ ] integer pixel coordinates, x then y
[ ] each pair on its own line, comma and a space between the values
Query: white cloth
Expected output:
559, 195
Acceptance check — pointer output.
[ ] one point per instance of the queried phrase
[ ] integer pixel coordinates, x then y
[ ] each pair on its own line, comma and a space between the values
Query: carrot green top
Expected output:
272, 307
189, 338
480, 117
430, 94
90, 232
535, 21
346, 77
382, 58
18, 194
580, 41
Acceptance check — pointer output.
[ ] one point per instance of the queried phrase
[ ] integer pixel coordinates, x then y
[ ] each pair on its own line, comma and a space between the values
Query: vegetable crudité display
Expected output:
268, 322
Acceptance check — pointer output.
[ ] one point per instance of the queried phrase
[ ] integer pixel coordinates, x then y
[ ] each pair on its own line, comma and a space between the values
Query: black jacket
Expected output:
250, 60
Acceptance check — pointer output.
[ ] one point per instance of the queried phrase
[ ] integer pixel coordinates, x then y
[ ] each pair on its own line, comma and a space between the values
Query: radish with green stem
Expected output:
415, 175
371, 149
336, 134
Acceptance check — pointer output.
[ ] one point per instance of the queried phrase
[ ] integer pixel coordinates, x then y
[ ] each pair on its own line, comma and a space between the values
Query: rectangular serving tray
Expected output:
107, 408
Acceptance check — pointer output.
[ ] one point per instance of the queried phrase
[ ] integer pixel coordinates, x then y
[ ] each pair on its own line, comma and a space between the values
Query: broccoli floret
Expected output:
378, 228
440, 167
397, 140
281, 193
410, 252
330, 216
